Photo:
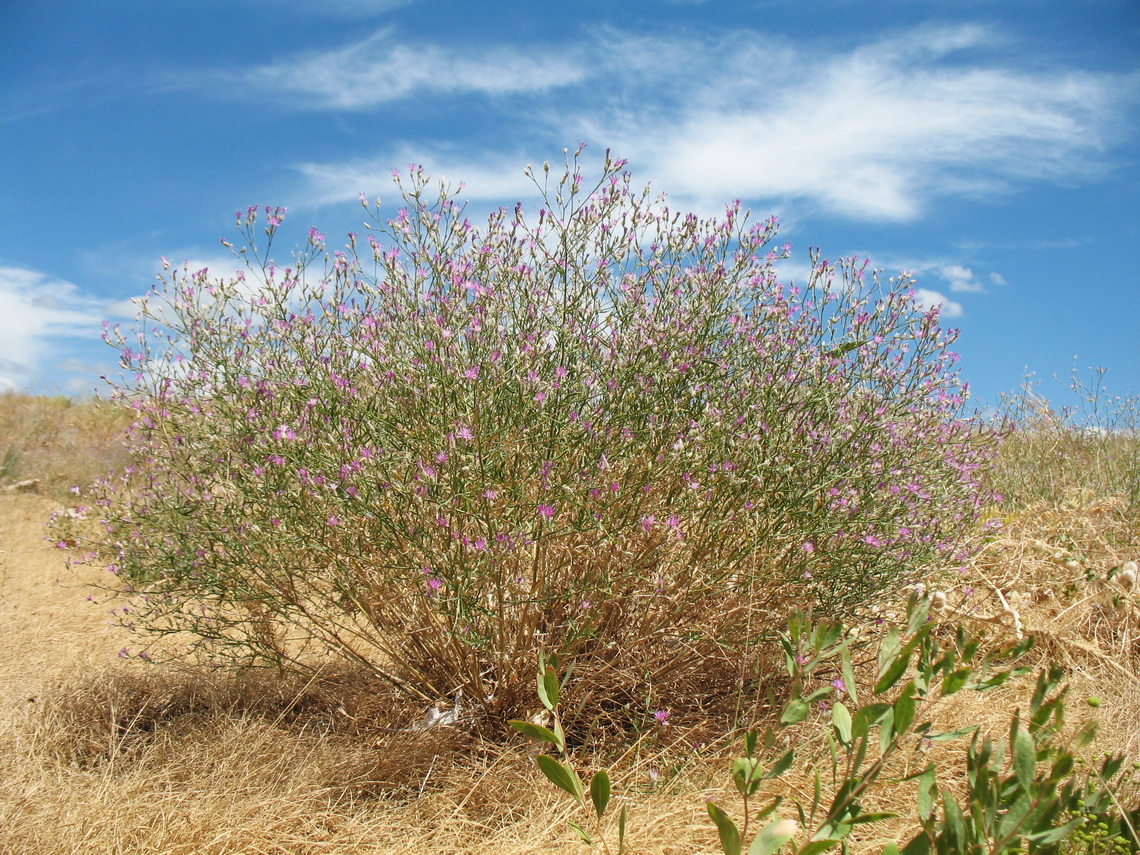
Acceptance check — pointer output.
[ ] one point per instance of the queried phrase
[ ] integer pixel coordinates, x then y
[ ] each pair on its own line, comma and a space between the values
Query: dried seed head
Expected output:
938, 601
1127, 575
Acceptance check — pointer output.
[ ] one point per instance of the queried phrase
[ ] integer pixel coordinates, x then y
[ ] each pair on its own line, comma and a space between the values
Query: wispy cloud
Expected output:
877, 131
35, 311
386, 67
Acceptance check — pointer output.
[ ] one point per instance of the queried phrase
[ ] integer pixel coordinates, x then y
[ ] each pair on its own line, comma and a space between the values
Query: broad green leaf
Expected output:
561, 776
536, 731
1024, 757
600, 791
841, 719
729, 834
772, 837
548, 688
795, 712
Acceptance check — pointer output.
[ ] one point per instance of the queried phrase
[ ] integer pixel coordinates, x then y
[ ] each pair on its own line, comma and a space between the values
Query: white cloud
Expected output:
384, 67
35, 310
874, 132
925, 298
960, 278
495, 179
998, 279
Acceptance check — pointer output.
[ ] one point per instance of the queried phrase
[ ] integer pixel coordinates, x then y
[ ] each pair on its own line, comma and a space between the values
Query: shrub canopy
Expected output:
605, 429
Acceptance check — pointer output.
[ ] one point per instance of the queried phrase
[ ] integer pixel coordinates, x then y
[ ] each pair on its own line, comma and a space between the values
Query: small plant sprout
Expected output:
561, 772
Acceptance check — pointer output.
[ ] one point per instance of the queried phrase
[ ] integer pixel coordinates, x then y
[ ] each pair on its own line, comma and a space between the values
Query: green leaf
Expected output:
874, 816
621, 831
1052, 835
841, 719
905, 709
867, 716
888, 649
782, 765
955, 823
893, 672
955, 680
818, 846
844, 348
848, 673
745, 774
1014, 815
887, 730
952, 734
927, 792
795, 712
536, 731
729, 834
548, 688
750, 739
772, 837
581, 833
600, 791
561, 776
1024, 757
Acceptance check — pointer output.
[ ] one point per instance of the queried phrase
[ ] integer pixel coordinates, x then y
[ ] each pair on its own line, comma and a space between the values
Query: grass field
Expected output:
100, 754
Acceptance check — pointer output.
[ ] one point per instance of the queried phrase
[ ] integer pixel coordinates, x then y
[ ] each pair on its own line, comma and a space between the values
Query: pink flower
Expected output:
662, 717
808, 547
333, 521
471, 373
465, 433
546, 511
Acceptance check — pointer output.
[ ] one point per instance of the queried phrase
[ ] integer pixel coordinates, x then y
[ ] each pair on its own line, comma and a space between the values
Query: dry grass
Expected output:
59, 442
104, 755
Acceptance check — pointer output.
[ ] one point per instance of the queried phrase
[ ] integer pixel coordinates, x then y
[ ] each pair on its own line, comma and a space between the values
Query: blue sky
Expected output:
990, 146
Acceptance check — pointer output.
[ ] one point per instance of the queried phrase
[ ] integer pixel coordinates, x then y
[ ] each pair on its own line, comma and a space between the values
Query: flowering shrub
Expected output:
606, 430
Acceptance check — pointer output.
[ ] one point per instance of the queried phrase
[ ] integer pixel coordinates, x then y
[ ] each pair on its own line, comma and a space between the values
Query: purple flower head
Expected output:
662, 717
546, 511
